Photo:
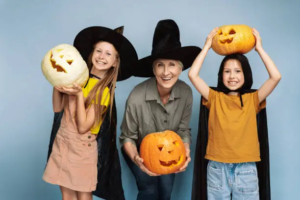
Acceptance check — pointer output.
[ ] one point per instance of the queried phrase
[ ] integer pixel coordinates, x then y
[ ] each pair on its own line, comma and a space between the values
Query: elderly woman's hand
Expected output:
139, 162
188, 158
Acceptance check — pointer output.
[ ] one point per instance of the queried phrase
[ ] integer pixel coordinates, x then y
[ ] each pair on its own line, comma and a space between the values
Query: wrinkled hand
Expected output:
140, 163
209, 38
72, 91
188, 158
258, 43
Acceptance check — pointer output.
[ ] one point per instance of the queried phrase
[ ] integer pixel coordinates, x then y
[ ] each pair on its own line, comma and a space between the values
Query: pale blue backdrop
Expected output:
28, 29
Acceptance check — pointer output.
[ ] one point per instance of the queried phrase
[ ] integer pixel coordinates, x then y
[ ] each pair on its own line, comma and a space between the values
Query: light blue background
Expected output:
28, 29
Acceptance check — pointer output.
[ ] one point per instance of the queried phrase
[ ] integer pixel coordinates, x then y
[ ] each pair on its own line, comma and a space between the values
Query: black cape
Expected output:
199, 191
109, 184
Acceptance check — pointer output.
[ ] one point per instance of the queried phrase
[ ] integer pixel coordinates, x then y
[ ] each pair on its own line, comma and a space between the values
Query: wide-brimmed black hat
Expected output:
166, 44
88, 37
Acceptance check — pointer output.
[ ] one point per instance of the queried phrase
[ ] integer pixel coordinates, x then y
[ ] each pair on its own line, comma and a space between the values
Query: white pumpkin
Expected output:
63, 65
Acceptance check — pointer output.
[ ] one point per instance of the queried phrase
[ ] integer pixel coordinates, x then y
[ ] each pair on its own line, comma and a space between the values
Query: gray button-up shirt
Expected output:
145, 113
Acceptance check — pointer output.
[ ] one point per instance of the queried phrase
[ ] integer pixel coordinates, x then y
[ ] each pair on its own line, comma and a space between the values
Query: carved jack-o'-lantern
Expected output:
232, 39
163, 152
63, 65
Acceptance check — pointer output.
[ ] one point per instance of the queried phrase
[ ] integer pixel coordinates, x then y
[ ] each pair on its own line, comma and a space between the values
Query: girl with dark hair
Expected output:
232, 130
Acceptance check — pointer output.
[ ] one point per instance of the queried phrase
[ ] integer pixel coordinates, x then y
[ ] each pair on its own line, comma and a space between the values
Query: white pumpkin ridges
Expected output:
63, 65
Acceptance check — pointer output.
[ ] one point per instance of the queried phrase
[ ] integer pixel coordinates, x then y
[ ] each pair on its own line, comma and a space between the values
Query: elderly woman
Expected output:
160, 103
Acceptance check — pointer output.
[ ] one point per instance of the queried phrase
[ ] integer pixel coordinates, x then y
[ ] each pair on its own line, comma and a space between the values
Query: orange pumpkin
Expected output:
232, 39
163, 152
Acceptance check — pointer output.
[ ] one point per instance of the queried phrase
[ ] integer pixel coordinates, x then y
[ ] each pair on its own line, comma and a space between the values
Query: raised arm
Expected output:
57, 100
85, 118
197, 81
274, 75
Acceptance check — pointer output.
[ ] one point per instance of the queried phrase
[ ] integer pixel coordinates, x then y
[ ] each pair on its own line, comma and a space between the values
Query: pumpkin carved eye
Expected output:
220, 32
160, 147
70, 62
232, 32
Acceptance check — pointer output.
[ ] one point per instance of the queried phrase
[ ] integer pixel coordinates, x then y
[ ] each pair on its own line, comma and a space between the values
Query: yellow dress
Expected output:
73, 160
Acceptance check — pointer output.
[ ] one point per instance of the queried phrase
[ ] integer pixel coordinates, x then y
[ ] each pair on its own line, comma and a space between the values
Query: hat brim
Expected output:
186, 55
88, 37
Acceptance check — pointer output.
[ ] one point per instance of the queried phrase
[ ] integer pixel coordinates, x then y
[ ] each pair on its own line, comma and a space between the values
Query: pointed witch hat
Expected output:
86, 39
166, 44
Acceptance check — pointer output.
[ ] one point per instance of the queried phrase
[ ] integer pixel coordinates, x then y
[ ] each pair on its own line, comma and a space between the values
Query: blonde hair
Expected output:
109, 81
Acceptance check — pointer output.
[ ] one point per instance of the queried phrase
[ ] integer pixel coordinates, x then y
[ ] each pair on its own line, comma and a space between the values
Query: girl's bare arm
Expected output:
274, 75
57, 100
197, 81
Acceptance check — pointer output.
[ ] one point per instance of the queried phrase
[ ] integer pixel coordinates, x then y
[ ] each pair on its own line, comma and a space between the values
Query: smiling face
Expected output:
104, 56
232, 39
163, 152
166, 72
233, 76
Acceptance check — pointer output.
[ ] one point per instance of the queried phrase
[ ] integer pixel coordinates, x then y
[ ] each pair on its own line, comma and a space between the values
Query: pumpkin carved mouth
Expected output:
171, 162
227, 40
56, 66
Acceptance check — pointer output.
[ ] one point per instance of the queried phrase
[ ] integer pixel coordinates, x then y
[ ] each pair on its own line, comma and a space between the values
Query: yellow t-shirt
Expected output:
232, 129
105, 100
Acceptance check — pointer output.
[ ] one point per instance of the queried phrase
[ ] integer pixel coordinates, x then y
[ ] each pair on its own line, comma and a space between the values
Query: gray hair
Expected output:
179, 62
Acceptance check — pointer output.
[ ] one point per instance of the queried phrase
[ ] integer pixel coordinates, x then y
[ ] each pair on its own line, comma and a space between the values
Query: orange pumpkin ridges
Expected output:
163, 152
232, 39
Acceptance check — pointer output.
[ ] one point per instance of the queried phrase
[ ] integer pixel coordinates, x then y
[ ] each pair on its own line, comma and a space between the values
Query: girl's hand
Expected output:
258, 44
210, 37
72, 91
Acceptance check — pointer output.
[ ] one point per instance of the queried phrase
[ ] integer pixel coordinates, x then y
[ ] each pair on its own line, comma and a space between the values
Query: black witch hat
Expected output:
166, 44
88, 37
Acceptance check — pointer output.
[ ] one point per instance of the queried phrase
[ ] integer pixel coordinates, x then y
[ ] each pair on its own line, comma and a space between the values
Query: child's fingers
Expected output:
60, 89
77, 86
213, 32
68, 90
255, 32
